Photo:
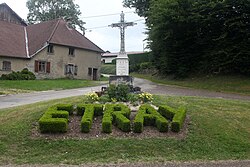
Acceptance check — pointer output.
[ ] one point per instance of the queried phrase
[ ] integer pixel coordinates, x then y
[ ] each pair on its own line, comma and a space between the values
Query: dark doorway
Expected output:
95, 74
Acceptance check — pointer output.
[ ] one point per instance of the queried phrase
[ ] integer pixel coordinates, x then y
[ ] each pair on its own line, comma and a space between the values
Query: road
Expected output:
7, 101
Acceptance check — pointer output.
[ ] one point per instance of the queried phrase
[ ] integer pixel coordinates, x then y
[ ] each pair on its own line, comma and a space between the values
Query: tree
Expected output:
141, 6
44, 10
198, 36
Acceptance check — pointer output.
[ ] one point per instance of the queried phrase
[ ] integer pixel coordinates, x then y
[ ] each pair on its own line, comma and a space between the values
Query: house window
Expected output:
71, 69
42, 67
89, 71
6, 66
71, 51
50, 49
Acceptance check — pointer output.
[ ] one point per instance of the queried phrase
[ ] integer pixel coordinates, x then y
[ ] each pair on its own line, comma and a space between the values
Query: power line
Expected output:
104, 15
91, 28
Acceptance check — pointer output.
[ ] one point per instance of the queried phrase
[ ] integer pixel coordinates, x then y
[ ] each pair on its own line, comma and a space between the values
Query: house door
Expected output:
95, 73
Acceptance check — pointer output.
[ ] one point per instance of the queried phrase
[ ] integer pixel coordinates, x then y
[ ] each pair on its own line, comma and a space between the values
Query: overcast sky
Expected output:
106, 37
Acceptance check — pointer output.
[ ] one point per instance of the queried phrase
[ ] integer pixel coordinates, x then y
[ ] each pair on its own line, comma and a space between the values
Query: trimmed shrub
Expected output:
117, 114
88, 111
167, 111
54, 121
178, 120
65, 107
148, 116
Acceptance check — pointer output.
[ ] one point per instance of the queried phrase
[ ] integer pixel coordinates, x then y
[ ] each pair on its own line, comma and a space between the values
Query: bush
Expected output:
88, 111
178, 120
148, 116
25, 74
167, 111
65, 107
54, 121
117, 114
119, 92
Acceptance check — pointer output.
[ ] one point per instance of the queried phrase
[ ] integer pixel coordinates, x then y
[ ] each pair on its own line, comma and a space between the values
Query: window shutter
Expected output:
65, 69
36, 66
76, 69
48, 67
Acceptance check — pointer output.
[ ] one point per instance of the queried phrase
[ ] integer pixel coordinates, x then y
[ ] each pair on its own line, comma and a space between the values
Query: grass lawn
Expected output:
219, 130
7, 86
230, 84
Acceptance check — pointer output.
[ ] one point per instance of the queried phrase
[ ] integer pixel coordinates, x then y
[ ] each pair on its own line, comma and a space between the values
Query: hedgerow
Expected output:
148, 116
178, 120
88, 111
55, 119
117, 114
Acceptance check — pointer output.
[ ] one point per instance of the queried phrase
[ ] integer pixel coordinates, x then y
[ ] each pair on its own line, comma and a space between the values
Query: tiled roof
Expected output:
13, 39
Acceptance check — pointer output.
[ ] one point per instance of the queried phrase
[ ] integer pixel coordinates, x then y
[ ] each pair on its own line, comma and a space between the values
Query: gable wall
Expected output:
7, 15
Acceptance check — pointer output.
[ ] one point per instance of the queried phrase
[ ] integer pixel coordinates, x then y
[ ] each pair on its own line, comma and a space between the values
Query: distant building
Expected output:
49, 49
7, 14
109, 57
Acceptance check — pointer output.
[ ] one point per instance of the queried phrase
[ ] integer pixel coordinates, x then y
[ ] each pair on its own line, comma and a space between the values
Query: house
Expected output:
50, 49
7, 14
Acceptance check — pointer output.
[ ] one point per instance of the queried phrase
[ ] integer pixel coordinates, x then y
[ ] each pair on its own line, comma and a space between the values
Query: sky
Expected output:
98, 31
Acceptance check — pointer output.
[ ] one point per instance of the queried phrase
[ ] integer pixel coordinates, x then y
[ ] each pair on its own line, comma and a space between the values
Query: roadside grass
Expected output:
23, 86
229, 84
219, 130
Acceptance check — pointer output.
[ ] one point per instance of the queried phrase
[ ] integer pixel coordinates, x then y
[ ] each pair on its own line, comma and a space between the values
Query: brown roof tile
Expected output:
12, 40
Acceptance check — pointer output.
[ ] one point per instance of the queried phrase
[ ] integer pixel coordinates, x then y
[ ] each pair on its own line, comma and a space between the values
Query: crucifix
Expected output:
122, 63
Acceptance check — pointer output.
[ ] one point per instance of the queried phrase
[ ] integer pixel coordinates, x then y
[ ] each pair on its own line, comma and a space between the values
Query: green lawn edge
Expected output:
218, 130
227, 84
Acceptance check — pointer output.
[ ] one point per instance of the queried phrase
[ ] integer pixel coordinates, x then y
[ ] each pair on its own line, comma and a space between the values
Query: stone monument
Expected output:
122, 61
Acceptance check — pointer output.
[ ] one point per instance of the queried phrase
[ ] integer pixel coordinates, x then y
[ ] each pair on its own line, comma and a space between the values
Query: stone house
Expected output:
49, 49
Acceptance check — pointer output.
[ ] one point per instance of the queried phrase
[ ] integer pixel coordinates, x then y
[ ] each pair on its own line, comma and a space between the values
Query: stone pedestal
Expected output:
122, 64
121, 79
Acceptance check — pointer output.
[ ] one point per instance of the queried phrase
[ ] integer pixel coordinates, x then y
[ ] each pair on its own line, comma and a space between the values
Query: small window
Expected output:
42, 66
71, 69
89, 71
50, 49
6, 66
71, 51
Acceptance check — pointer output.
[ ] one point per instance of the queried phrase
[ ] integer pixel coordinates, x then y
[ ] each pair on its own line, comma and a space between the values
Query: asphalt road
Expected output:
7, 101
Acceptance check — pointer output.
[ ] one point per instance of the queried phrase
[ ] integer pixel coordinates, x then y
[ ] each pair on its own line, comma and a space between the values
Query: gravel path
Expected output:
229, 163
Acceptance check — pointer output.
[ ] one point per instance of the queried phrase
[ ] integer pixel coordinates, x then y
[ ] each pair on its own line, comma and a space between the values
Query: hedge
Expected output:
88, 111
65, 107
167, 111
54, 121
117, 114
148, 116
178, 120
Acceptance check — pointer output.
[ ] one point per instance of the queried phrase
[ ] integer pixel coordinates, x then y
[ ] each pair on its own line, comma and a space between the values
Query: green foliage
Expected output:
148, 116
117, 114
44, 10
167, 112
25, 74
64, 107
178, 120
194, 36
88, 111
54, 121
119, 92
108, 69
